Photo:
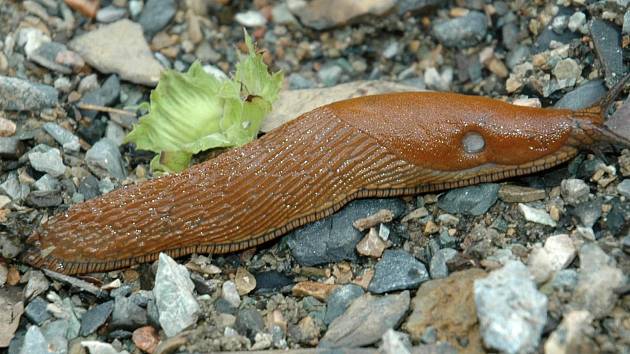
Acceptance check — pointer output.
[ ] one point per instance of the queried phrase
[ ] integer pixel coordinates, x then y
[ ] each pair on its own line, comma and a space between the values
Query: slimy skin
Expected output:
374, 146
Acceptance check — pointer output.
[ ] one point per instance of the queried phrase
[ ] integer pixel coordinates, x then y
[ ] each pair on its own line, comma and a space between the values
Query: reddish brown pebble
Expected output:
317, 290
146, 339
87, 8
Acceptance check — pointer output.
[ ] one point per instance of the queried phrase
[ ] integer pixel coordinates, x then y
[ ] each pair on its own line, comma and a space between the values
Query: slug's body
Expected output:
374, 146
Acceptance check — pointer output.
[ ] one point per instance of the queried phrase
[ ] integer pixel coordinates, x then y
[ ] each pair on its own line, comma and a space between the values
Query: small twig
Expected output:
93, 107
81, 284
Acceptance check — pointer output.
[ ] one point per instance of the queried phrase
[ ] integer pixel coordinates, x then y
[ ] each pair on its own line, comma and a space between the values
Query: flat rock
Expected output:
119, 48
21, 95
317, 14
174, 297
334, 238
471, 200
511, 311
95, 317
584, 96
447, 305
397, 270
293, 103
607, 40
366, 320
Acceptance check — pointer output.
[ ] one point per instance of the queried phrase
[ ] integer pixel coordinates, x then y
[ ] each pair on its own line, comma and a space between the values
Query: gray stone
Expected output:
13, 188
156, 14
64, 137
395, 342
174, 297
584, 96
334, 238
47, 161
36, 311
106, 95
626, 22
127, 314
104, 159
95, 317
34, 342
539, 216
574, 190
517, 55
623, 188
472, 200
44, 199
119, 48
11, 148
588, 213
47, 183
249, 322
416, 6
115, 133
281, 15
366, 320
597, 280
577, 21
51, 54
340, 299
559, 23
511, 311
397, 270
36, 285
55, 333
438, 268
105, 185
461, 32
96, 347
110, 14
607, 40
329, 75
21, 95
89, 187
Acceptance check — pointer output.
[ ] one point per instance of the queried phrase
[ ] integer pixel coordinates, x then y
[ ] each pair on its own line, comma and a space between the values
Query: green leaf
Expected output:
195, 111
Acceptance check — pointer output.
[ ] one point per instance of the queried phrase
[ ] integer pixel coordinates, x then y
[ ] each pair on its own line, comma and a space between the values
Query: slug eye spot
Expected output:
473, 143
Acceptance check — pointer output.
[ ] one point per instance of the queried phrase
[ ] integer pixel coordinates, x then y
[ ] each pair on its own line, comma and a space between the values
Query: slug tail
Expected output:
591, 121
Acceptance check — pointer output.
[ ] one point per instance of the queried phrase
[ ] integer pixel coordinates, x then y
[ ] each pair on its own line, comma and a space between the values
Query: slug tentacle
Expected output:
374, 146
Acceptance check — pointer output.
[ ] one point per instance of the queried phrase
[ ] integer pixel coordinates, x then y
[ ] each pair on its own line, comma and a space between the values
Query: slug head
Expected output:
451, 132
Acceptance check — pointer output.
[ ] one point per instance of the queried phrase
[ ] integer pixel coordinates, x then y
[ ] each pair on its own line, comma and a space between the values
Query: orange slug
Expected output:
373, 146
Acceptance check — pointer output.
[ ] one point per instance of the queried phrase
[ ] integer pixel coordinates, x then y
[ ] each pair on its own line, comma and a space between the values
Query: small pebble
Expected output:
146, 339
538, 216
251, 19
7, 127
574, 190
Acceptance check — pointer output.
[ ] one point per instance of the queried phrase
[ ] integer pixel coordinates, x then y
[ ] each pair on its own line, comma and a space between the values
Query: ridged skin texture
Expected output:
383, 145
